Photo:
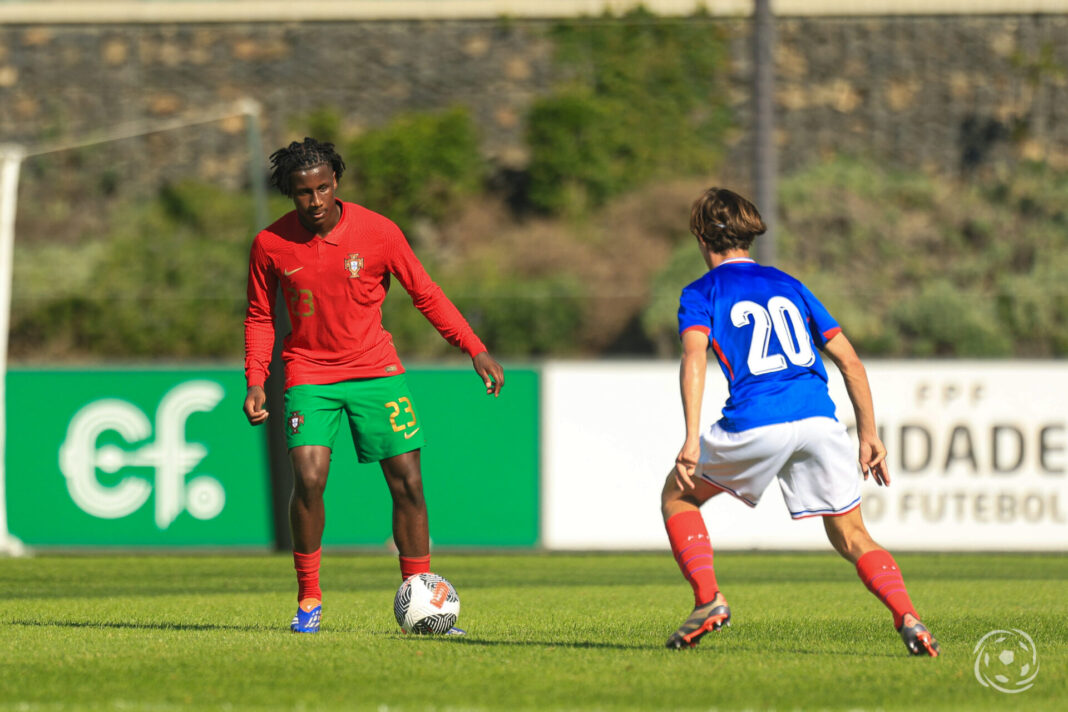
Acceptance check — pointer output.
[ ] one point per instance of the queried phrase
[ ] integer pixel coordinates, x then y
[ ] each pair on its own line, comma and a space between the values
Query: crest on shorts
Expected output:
353, 263
295, 421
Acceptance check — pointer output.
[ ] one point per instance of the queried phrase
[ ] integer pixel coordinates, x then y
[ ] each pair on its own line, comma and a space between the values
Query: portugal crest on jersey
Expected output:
295, 421
354, 263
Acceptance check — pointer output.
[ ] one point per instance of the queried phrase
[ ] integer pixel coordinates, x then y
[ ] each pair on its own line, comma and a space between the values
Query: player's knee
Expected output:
408, 494
413, 487
673, 499
311, 465
670, 492
667, 506
850, 541
309, 482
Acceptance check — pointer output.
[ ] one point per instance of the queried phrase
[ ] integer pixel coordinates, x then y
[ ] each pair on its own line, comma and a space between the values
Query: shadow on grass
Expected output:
547, 644
784, 647
128, 625
753, 647
422, 639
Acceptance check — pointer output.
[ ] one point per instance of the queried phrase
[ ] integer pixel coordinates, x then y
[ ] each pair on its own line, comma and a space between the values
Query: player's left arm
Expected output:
439, 310
490, 371
872, 455
255, 399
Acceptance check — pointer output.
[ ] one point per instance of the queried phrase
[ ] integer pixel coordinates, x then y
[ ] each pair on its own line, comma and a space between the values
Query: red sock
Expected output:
879, 572
693, 552
307, 566
412, 565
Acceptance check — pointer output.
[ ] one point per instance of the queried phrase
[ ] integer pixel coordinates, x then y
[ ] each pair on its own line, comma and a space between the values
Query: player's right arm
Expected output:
255, 399
259, 331
872, 455
692, 386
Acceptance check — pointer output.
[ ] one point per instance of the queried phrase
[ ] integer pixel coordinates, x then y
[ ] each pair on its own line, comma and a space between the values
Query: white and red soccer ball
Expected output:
426, 603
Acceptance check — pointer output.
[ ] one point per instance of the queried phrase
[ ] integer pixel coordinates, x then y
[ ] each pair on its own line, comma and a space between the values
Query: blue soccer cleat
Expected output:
309, 614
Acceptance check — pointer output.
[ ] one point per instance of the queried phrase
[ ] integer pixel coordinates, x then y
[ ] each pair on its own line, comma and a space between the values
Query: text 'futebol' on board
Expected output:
1000, 507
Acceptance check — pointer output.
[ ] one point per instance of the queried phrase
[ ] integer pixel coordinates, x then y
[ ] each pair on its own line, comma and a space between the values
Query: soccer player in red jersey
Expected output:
764, 327
334, 261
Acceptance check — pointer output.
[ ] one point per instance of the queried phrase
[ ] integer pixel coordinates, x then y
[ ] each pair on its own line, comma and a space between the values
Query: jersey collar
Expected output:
333, 236
738, 260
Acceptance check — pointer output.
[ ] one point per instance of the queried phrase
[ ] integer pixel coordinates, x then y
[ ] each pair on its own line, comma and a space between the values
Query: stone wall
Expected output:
948, 93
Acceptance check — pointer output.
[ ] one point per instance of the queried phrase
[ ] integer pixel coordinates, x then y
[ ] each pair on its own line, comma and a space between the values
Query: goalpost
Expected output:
11, 159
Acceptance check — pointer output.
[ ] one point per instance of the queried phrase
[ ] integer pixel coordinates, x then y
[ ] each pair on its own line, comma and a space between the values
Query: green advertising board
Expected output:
165, 458
480, 466
134, 458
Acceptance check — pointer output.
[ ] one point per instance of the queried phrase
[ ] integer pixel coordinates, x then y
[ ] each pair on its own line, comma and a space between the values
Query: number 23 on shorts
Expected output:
401, 415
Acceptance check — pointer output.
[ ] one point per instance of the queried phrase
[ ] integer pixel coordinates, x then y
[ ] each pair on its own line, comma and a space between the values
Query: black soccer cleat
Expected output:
918, 639
705, 618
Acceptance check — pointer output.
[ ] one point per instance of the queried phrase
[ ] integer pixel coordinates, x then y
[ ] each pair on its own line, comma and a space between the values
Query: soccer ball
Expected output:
426, 603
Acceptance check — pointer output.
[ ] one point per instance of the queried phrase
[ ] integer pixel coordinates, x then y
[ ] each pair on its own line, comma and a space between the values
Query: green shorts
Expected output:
380, 412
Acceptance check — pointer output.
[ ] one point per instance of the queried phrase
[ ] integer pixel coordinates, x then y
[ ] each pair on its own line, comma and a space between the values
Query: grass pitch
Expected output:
560, 632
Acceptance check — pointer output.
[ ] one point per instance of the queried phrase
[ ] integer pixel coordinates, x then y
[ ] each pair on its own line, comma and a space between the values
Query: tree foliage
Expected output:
641, 97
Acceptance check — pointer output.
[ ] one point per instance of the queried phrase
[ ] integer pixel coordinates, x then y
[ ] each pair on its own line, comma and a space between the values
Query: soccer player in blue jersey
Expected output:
765, 328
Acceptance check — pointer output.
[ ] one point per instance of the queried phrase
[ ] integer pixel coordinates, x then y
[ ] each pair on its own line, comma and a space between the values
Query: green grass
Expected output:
545, 632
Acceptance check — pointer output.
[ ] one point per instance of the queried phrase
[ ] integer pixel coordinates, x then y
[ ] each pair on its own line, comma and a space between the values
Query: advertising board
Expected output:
134, 458
165, 458
480, 467
978, 455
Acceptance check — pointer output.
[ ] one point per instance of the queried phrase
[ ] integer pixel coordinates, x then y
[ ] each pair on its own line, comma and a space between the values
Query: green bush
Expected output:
537, 316
578, 152
914, 265
943, 319
169, 282
514, 316
909, 265
323, 124
1033, 307
640, 97
659, 318
417, 166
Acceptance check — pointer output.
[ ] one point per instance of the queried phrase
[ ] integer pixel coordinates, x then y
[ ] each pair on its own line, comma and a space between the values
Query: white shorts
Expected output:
813, 458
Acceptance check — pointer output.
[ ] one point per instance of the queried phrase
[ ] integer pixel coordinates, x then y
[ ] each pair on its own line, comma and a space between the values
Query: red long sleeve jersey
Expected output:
333, 288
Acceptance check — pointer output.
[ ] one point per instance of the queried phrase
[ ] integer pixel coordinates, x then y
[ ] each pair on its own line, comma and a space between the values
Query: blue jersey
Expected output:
765, 328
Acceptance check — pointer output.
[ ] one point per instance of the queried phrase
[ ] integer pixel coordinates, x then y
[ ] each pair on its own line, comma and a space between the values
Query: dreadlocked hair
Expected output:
725, 221
301, 156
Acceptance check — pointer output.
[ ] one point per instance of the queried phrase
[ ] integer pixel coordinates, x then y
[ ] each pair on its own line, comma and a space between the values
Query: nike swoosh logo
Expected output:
288, 272
408, 436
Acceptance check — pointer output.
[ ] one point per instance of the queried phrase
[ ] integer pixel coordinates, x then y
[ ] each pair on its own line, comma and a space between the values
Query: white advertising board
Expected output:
978, 454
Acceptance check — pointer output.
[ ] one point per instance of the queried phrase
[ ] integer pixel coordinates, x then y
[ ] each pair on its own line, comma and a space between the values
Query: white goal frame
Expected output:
11, 158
